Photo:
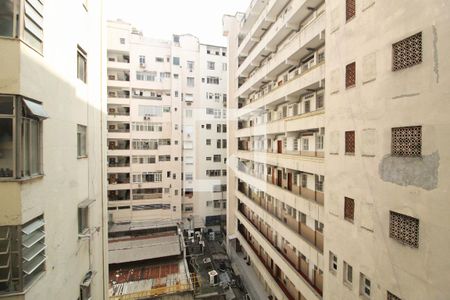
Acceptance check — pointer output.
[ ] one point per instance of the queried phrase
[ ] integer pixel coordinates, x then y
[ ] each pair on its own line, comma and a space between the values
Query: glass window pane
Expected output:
25, 148
6, 105
6, 148
6, 18
34, 147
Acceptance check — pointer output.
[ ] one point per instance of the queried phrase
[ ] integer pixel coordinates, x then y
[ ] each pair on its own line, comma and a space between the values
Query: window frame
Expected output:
82, 54
82, 136
20, 116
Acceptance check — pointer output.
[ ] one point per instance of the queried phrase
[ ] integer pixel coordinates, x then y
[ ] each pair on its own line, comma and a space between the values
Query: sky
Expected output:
161, 18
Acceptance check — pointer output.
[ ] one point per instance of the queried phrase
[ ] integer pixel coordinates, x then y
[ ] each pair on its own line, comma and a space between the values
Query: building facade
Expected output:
376, 229
275, 215
166, 129
52, 150
386, 160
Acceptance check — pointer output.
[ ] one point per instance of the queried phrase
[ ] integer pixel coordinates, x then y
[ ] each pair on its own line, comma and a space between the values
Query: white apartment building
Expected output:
166, 129
377, 229
52, 230
275, 215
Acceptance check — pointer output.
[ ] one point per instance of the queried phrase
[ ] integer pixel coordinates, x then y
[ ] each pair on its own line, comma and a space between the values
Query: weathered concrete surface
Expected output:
420, 172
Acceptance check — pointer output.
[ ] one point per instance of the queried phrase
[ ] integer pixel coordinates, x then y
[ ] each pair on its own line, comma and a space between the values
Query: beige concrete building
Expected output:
52, 107
275, 216
377, 229
387, 161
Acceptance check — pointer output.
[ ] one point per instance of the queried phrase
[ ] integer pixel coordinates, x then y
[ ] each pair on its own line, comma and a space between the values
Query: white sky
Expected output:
162, 18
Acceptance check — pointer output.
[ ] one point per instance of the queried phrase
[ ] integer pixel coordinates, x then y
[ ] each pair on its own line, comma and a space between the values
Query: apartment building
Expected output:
275, 215
377, 229
387, 163
52, 235
166, 128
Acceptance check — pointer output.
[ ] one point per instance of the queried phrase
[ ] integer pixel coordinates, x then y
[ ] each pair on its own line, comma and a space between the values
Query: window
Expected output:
333, 263
364, 288
319, 183
81, 64
146, 76
208, 142
212, 80
407, 141
350, 75
83, 218
22, 256
219, 128
224, 67
407, 52
190, 66
404, 229
208, 126
176, 61
190, 81
142, 60
349, 209
304, 180
122, 41
208, 158
159, 59
81, 141
305, 144
224, 144
175, 76
219, 142
26, 24
211, 65
224, 128
349, 142
348, 274
20, 136
349, 9
217, 158
391, 296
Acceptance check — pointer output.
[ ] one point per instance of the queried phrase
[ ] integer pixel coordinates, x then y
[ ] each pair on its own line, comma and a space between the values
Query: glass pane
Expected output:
25, 148
6, 105
6, 148
6, 18
34, 147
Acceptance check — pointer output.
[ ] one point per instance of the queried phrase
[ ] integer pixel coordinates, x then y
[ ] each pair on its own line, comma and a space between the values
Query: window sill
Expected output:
350, 153
23, 179
350, 86
348, 285
82, 157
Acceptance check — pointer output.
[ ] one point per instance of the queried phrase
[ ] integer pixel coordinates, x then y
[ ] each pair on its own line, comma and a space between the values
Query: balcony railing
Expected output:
266, 265
313, 195
301, 268
147, 196
311, 236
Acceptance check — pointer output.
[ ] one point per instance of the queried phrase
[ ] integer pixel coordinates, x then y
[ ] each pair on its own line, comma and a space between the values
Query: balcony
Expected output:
285, 182
296, 83
282, 219
258, 243
118, 79
265, 19
118, 61
294, 16
122, 195
311, 37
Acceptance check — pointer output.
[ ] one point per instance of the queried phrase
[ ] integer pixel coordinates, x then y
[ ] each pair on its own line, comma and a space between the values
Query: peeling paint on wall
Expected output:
420, 172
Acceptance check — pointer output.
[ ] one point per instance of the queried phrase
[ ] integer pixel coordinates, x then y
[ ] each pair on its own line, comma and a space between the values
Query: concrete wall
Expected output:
379, 183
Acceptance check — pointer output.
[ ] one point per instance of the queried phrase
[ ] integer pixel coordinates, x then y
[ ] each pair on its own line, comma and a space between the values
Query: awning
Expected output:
35, 109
